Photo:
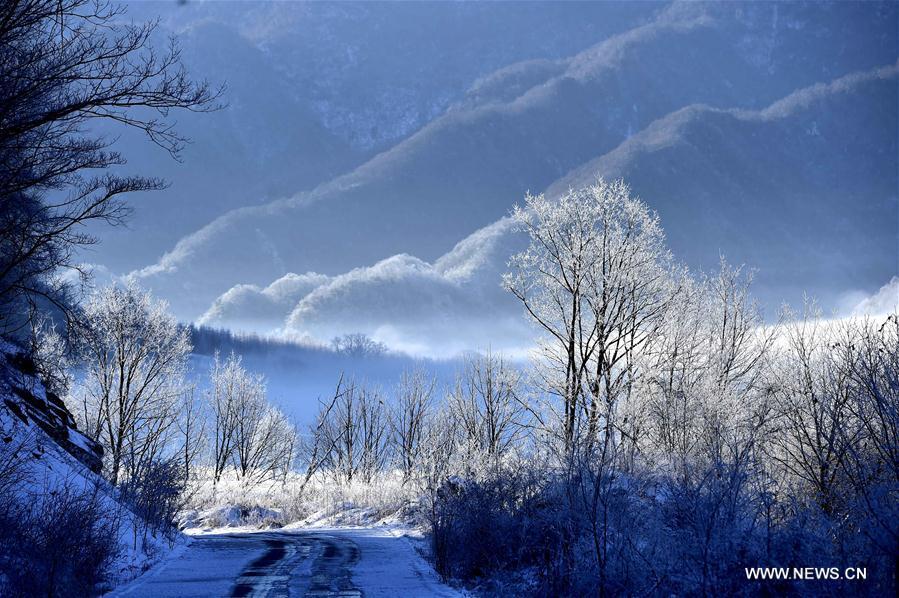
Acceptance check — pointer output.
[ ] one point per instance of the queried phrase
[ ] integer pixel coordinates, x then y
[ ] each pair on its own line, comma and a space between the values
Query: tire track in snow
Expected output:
332, 569
269, 575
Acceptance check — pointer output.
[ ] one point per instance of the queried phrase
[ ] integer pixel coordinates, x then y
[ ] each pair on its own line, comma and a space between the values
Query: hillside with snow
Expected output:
63, 524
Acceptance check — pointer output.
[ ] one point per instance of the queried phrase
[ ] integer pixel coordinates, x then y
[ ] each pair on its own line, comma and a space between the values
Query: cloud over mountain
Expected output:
885, 301
528, 125
253, 308
715, 176
435, 310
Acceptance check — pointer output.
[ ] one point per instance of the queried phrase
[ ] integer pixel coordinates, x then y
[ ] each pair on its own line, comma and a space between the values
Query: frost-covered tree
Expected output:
440, 453
871, 463
251, 427
671, 395
192, 427
596, 278
629, 290
356, 430
812, 399
486, 407
135, 355
551, 279
706, 367
374, 430
52, 357
357, 345
317, 445
263, 438
247, 432
229, 381
409, 419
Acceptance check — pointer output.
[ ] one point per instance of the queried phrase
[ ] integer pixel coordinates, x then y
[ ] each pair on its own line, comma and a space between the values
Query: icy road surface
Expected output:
332, 562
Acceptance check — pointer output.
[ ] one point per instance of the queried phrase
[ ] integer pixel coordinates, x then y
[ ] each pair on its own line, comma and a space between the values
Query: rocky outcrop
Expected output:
27, 399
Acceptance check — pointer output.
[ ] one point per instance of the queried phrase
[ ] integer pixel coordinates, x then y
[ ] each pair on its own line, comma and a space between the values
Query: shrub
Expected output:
61, 543
155, 495
502, 524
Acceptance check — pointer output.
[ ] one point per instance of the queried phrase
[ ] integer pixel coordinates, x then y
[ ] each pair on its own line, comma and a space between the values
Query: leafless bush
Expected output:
60, 543
156, 496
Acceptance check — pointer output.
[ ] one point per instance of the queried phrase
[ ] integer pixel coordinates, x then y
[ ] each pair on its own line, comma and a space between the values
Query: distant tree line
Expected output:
207, 341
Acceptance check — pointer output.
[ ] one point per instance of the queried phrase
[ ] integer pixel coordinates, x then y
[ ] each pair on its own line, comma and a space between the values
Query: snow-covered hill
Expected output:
529, 125
803, 189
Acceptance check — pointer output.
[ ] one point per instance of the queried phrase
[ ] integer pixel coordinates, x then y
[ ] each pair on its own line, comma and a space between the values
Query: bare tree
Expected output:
251, 429
374, 430
550, 278
871, 462
52, 355
228, 381
706, 366
739, 341
64, 64
630, 288
672, 392
288, 448
813, 399
135, 356
342, 432
412, 406
440, 448
486, 406
357, 345
356, 431
192, 430
317, 446
596, 278
263, 442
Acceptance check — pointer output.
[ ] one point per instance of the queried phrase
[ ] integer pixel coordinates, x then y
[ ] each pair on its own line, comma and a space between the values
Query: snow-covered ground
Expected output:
48, 469
274, 539
294, 561
328, 540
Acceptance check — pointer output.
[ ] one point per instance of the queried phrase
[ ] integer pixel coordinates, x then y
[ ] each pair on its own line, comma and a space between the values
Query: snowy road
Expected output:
335, 562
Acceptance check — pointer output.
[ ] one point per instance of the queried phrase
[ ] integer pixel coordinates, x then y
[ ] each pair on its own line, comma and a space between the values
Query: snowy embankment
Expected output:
50, 476
320, 502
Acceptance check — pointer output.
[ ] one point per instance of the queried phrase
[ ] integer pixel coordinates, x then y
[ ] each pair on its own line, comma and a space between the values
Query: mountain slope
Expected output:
65, 527
469, 166
804, 190
314, 89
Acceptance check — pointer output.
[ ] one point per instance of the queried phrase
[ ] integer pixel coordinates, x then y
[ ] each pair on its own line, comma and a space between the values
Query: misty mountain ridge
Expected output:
316, 89
696, 107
